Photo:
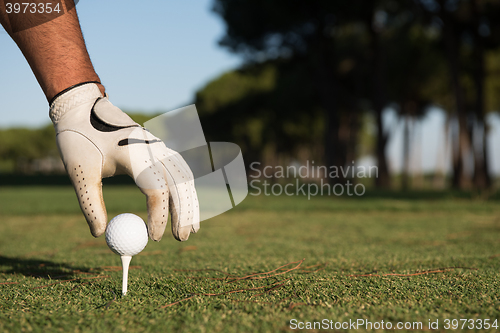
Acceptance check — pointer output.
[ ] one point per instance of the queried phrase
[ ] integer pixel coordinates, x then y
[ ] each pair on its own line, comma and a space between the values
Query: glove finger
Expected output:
183, 199
189, 192
84, 167
167, 181
152, 183
149, 176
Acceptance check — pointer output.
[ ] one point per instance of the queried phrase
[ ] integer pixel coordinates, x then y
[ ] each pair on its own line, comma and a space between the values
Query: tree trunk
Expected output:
353, 135
405, 183
326, 84
383, 180
482, 179
460, 178
378, 96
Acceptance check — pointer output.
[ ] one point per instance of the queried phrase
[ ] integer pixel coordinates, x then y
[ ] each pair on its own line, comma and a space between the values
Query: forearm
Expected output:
54, 49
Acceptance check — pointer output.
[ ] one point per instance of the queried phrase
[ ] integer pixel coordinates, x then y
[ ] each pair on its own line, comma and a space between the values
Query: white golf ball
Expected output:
126, 234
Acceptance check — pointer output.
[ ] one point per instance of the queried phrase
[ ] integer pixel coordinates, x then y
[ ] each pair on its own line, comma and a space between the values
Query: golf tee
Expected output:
125, 265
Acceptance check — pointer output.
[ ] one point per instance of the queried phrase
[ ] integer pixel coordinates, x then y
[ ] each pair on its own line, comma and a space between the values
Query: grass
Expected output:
444, 250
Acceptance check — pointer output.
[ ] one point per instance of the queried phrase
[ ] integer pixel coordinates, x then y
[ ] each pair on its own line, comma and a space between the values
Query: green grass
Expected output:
44, 242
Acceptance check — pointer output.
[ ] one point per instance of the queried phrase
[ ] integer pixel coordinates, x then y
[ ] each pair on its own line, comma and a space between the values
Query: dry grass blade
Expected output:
9, 283
256, 276
433, 271
177, 302
253, 276
311, 266
222, 293
273, 288
109, 303
81, 272
235, 291
305, 269
77, 286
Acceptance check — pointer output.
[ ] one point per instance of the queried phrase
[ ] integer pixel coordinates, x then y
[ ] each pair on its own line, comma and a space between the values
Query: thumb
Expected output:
83, 162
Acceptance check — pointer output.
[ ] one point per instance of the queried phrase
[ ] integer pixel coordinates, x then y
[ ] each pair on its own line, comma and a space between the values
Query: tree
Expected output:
417, 75
21, 146
468, 29
304, 31
268, 109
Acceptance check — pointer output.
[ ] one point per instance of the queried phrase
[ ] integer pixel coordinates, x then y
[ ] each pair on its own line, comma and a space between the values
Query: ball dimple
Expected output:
126, 234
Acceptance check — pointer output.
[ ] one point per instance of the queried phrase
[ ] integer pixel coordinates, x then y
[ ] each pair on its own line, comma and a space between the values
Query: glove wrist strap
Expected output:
72, 97
69, 88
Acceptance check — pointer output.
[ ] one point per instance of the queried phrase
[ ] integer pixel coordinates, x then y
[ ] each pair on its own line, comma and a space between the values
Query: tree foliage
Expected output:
363, 56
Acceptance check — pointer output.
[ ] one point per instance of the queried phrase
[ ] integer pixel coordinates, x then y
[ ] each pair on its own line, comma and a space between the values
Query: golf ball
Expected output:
126, 234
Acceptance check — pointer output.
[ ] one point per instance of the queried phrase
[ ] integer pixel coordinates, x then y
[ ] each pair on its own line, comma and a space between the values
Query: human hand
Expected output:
97, 140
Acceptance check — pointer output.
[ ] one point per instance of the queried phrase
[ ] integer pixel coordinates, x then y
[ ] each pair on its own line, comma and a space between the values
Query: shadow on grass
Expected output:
39, 268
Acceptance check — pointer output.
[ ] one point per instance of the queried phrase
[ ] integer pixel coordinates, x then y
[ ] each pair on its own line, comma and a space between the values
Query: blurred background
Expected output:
411, 86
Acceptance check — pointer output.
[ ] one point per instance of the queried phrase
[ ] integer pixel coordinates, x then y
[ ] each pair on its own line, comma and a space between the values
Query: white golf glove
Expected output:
97, 140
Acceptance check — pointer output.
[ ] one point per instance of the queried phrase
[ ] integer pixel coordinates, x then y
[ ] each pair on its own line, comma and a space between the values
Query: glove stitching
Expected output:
91, 141
103, 126
71, 99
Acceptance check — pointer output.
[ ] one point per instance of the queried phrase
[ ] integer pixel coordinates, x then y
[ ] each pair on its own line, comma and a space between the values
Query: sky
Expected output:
153, 56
